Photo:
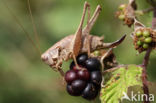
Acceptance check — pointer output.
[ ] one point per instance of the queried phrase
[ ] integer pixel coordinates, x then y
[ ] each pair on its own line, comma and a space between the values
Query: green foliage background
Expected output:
24, 78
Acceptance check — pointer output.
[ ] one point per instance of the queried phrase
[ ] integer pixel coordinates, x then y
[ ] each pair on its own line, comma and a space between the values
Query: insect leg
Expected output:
101, 60
90, 25
104, 56
58, 66
77, 40
88, 44
61, 72
87, 33
88, 19
93, 19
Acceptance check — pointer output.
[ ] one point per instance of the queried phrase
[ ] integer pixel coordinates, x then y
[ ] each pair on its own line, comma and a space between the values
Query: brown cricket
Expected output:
80, 42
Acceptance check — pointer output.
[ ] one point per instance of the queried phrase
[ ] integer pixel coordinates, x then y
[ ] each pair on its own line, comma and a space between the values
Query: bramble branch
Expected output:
144, 74
147, 56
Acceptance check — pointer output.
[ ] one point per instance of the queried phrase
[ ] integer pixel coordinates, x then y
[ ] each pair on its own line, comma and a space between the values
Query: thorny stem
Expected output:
146, 58
146, 61
154, 19
144, 74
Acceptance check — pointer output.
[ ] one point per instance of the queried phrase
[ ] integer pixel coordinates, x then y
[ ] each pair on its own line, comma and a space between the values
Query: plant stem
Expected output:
154, 19
147, 55
144, 75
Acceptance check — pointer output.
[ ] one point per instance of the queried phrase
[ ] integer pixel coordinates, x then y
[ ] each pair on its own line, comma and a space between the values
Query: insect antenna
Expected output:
22, 27
34, 25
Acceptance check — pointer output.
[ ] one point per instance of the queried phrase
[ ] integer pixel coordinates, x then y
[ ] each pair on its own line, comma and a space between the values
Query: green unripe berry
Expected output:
148, 40
145, 46
138, 33
96, 53
122, 7
139, 43
142, 38
146, 33
121, 17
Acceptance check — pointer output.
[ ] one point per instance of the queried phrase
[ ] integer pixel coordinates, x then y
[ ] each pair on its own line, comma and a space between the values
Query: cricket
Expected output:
70, 46
80, 42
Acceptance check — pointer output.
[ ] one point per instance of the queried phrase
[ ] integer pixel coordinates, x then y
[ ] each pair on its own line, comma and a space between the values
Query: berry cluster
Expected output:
143, 39
84, 80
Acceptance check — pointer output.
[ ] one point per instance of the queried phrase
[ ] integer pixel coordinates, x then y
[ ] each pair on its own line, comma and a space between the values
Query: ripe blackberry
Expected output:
70, 76
85, 80
83, 74
81, 59
71, 91
78, 85
90, 92
93, 64
96, 77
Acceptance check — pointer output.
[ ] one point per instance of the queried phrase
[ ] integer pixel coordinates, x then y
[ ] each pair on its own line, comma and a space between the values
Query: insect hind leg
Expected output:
90, 24
93, 19
104, 56
77, 40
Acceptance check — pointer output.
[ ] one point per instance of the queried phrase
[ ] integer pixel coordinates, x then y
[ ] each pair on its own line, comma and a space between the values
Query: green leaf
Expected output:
118, 80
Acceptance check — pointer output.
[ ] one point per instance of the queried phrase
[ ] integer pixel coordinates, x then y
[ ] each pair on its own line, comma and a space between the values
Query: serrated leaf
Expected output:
118, 81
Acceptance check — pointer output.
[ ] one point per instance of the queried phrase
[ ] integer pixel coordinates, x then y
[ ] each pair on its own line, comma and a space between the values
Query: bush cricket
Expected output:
70, 46
80, 42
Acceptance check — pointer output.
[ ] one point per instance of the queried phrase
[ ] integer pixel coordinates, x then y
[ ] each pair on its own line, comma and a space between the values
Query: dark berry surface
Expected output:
70, 76
97, 86
96, 77
93, 64
83, 74
90, 92
71, 91
78, 85
81, 59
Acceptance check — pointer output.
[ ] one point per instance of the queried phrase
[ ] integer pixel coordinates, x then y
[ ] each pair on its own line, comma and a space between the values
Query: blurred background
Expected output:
24, 78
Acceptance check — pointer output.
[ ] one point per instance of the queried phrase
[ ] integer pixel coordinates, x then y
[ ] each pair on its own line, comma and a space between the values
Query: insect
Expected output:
72, 45
80, 42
